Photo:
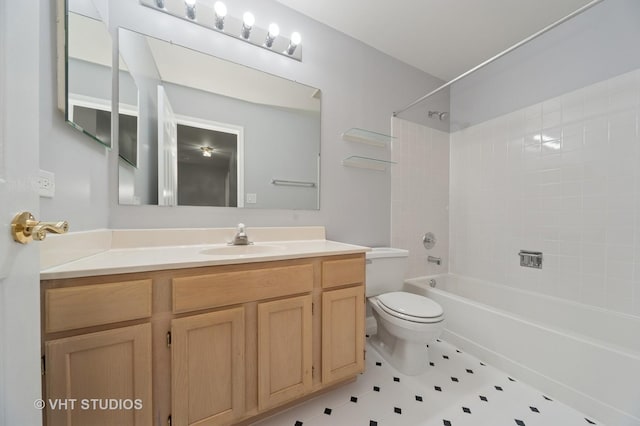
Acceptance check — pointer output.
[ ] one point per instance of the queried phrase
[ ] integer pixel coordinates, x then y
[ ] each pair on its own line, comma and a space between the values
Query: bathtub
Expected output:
584, 356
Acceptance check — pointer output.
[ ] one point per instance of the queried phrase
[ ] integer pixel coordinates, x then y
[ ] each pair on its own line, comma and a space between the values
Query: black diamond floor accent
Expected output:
547, 398
327, 411
367, 336
454, 379
445, 356
418, 398
470, 371
396, 379
354, 399
432, 364
438, 340
397, 410
427, 345
513, 380
466, 410
483, 398
457, 350
373, 423
519, 422
438, 388
483, 364
379, 364
498, 388
298, 423
376, 388
534, 409
446, 422
589, 421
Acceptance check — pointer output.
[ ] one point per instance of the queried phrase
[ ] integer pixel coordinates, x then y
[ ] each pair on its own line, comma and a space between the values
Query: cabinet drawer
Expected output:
86, 306
343, 272
230, 288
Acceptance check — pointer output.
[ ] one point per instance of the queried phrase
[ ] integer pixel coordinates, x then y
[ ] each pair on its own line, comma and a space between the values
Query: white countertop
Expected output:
155, 258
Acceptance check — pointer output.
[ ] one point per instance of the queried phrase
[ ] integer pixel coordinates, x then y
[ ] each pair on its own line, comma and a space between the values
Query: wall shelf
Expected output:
367, 163
366, 136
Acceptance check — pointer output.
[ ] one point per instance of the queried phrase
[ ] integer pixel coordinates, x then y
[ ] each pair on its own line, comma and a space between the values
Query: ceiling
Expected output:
444, 38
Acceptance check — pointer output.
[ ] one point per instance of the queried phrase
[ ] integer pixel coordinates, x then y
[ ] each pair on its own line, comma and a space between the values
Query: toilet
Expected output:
406, 322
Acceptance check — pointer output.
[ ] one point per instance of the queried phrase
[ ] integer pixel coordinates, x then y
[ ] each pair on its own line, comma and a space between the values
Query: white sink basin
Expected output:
242, 250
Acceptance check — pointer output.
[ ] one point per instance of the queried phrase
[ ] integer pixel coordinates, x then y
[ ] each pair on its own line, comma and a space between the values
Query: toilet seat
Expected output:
410, 307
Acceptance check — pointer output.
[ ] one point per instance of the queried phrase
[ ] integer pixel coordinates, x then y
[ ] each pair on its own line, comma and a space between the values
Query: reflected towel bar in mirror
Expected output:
293, 183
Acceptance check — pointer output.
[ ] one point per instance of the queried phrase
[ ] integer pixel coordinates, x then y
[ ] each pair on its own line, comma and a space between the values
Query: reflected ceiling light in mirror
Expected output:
274, 31
213, 14
247, 23
296, 38
221, 11
206, 151
191, 8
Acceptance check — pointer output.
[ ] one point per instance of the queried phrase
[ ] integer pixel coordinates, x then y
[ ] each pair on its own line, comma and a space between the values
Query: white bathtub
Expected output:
586, 357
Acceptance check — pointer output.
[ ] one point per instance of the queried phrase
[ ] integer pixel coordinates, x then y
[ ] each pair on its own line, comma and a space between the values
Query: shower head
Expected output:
439, 115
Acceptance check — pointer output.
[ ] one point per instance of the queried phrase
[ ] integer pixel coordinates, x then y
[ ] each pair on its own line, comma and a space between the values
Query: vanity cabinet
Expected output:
225, 344
208, 367
95, 375
284, 350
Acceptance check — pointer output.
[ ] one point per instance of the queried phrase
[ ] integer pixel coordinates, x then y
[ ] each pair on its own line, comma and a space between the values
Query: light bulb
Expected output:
247, 22
296, 38
248, 19
274, 30
191, 8
221, 12
220, 9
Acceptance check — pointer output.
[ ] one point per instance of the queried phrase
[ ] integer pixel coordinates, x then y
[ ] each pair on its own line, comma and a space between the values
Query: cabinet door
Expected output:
100, 378
208, 368
342, 333
284, 350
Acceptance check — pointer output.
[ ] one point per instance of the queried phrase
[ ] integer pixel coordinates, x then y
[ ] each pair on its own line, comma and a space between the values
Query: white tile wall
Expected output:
420, 194
561, 177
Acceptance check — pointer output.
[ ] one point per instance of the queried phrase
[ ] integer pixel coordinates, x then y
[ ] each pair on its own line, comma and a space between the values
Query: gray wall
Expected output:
361, 88
594, 46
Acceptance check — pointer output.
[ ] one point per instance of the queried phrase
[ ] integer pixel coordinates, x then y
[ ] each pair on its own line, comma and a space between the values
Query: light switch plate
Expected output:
252, 198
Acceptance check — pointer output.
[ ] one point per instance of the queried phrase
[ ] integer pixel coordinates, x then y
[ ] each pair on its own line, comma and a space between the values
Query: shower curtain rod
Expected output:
500, 55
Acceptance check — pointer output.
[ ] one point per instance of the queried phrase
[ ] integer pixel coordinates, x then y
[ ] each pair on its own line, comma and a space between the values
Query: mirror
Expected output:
88, 77
216, 133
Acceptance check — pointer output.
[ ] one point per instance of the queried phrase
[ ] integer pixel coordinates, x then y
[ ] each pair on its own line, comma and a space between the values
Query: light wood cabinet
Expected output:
342, 333
223, 344
100, 378
208, 368
284, 350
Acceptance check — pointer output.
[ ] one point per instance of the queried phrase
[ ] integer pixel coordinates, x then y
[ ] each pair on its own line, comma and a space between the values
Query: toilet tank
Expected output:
386, 269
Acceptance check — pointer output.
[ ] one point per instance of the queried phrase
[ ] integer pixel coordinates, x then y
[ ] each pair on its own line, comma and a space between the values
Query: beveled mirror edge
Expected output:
62, 61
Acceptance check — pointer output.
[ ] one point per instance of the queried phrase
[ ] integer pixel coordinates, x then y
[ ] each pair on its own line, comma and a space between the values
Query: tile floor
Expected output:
459, 390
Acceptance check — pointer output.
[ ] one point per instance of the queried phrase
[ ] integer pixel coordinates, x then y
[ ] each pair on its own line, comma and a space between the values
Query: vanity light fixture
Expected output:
191, 9
220, 10
296, 38
247, 23
213, 14
274, 31
206, 151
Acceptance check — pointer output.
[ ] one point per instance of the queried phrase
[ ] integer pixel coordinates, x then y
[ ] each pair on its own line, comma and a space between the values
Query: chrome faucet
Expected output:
241, 238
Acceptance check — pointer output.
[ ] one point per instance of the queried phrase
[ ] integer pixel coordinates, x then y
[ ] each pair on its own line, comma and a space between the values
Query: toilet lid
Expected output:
410, 304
